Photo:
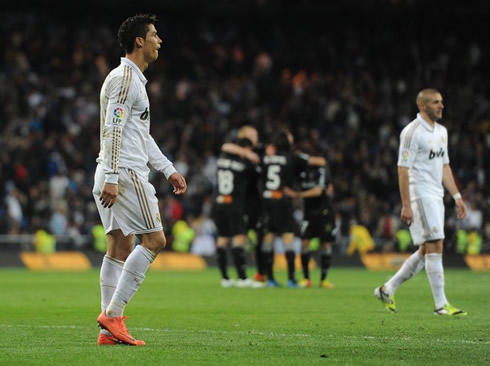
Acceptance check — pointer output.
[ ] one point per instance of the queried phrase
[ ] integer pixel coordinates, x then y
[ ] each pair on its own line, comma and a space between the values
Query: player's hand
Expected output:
109, 194
460, 208
407, 215
252, 156
290, 193
178, 182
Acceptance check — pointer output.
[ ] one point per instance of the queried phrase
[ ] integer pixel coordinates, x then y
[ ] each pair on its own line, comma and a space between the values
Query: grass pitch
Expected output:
187, 319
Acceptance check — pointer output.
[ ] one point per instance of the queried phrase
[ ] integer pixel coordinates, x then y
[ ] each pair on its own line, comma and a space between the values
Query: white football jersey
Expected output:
423, 149
125, 125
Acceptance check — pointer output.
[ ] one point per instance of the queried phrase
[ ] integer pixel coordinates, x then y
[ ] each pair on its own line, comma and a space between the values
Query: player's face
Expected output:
434, 106
152, 44
253, 136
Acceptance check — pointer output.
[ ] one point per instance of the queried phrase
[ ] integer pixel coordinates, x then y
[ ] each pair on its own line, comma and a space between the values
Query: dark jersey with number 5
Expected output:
278, 170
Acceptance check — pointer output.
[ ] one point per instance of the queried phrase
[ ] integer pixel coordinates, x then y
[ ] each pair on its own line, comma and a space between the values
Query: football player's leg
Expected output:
221, 259
410, 268
325, 261
110, 271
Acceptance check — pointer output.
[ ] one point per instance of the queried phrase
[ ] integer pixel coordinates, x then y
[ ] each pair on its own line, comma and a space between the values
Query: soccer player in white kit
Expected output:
423, 170
125, 198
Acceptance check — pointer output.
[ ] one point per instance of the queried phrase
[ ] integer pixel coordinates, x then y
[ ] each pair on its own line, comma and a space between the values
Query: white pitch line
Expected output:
251, 332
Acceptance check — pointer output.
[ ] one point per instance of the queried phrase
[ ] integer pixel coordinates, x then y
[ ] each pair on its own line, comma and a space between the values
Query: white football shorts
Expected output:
428, 223
136, 208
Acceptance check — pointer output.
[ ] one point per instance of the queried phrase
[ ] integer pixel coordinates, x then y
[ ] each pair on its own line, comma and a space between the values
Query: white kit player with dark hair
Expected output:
423, 172
125, 198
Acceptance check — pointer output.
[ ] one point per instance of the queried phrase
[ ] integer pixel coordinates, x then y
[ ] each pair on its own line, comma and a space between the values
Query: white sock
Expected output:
110, 271
132, 277
435, 273
410, 268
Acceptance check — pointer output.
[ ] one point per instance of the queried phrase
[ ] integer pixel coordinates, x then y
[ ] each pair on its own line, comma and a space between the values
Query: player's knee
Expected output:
154, 242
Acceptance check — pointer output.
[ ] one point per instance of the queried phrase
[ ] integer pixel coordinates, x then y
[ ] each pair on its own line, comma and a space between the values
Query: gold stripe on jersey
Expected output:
409, 135
123, 83
126, 83
140, 193
423, 217
116, 148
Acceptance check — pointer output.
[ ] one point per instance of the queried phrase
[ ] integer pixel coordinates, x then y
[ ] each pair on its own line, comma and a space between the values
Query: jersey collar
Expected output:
425, 123
130, 63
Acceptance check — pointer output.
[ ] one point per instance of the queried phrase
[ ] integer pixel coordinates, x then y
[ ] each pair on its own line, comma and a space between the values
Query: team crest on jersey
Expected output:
434, 229
405, 155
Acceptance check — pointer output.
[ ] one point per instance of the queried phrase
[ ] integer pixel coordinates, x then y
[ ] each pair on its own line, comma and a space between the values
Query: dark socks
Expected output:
290, 256
240, 261
305, 261
221, 259
325, 260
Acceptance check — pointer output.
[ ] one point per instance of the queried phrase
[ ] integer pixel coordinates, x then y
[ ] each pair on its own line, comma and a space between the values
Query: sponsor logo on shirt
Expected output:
144, 115
434, 154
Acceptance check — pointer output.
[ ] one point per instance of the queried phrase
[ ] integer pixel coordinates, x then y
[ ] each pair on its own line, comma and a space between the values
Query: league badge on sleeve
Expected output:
118, 115
405, 155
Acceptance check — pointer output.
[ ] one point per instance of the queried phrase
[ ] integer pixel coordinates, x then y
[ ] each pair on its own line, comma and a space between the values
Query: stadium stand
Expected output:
343, 75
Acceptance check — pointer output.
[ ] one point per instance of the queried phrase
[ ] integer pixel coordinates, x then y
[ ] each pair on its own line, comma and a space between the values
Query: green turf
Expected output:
187, 319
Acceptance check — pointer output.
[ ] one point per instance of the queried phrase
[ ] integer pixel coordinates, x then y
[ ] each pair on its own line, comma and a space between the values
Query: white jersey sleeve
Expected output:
407, 153
118, 96
158, 160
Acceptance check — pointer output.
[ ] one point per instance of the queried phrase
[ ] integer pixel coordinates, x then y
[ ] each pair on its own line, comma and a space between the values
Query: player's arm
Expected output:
317, 161
241, 151
403, 182
161, 163
116, 116
309, 193
450, 184
406, 158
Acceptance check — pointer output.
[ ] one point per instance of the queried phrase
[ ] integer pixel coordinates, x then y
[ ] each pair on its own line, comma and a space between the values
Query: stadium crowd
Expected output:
349, 88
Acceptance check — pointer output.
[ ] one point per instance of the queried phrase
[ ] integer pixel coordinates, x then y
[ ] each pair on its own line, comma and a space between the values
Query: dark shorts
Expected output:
278, 218
229, 219
318, 227
254, 214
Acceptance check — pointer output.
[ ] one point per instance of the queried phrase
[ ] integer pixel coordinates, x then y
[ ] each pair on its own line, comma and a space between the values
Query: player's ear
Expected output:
139, 41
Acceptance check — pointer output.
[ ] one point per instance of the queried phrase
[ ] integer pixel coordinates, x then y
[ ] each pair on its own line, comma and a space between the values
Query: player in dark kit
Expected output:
234, 173
278, 167
319, 220
253, 196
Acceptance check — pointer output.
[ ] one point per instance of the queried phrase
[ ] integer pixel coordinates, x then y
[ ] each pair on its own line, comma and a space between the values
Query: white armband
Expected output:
457, 196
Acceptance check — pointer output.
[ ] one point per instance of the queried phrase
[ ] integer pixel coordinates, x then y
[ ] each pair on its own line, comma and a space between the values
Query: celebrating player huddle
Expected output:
270, 173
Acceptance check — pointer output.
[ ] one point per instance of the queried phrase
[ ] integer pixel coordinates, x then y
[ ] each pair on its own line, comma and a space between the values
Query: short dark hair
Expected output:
280, 140
135, 26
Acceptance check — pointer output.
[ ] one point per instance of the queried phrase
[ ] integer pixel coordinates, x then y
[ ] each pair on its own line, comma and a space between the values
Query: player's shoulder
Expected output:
412, 126
123, 74
441, 127
121, 83
412, 130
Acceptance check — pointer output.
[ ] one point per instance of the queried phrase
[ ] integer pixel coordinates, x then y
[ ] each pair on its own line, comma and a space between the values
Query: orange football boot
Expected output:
118, 329
110, 340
